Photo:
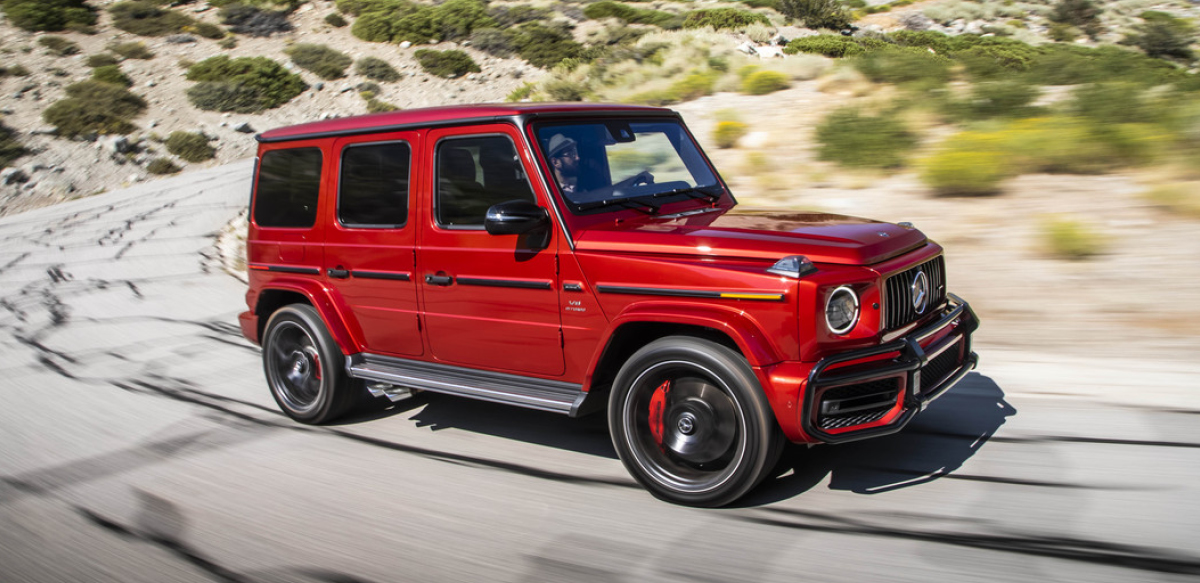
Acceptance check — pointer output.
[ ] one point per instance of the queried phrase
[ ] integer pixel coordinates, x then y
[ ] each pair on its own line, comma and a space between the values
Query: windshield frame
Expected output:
680, 195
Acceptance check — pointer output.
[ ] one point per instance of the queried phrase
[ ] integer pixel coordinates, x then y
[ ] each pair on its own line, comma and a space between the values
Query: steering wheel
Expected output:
640, 179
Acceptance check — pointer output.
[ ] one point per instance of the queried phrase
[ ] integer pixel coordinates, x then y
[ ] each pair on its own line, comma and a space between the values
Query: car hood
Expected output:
771, 235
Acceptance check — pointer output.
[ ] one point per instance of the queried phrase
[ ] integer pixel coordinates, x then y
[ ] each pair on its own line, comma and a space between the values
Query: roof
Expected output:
432, 116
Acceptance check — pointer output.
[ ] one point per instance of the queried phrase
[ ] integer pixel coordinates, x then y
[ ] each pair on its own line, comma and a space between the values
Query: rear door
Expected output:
369, 244
490, 301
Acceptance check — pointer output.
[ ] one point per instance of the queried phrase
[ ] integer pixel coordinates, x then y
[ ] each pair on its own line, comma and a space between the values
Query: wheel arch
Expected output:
644, 324
282, 293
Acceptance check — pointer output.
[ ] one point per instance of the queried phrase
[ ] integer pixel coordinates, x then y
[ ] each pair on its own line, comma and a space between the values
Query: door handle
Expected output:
338, 272
439, 279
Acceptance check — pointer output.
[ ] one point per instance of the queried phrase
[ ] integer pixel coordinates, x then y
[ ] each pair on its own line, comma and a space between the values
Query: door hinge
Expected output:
562, 340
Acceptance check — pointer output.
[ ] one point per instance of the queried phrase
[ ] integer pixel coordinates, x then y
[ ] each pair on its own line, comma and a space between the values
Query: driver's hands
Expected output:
643, 177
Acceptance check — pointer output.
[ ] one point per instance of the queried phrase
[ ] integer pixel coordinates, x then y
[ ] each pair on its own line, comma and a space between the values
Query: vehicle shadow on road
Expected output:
586, 435
934, 445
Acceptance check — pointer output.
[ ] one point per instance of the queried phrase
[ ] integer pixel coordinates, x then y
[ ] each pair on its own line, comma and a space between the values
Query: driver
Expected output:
564, 158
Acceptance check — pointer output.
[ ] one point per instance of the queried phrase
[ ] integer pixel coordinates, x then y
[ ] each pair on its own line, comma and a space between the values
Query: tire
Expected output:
304, 366
691, 423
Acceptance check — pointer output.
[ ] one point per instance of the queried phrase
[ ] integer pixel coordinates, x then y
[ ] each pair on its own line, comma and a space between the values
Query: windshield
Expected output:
625, 164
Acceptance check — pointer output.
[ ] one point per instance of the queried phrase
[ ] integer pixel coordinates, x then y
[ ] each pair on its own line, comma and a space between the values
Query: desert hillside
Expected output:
1053, 146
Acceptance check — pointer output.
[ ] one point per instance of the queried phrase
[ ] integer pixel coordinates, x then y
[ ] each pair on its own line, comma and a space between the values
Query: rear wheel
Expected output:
691, 423
304, 366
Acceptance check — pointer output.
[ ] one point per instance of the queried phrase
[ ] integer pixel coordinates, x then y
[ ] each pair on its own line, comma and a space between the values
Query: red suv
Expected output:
572, 258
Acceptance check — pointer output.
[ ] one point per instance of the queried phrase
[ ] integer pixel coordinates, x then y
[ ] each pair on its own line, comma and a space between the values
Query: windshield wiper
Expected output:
633, 203
709, 192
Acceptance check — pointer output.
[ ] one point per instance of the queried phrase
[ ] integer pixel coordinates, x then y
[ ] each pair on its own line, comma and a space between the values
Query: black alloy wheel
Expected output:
304, 366
690, 422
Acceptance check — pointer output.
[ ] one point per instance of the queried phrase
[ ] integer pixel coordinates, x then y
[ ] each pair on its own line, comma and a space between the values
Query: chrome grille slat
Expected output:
898, 309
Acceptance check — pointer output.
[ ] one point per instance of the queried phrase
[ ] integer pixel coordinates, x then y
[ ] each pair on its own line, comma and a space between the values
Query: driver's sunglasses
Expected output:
571, 152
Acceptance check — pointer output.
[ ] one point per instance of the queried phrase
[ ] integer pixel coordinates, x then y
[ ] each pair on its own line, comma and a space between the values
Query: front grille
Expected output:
857, 404
898, 296
936, 370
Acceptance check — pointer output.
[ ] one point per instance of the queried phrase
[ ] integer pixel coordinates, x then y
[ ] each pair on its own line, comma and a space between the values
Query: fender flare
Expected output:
743, 330
333, 312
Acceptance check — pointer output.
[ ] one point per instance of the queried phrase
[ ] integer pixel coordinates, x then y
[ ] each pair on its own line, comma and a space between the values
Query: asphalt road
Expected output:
138, 442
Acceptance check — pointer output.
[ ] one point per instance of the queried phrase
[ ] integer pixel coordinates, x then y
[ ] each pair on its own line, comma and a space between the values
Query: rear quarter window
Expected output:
373, 191
289, 185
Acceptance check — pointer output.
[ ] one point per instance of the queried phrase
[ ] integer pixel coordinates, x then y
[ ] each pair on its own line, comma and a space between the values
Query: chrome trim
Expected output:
857, 310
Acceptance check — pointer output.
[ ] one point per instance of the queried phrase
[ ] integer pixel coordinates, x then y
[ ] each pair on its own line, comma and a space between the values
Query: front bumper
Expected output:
876, 391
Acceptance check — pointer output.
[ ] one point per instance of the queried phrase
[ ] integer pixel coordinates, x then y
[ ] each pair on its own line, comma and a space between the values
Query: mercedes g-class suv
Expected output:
575, 258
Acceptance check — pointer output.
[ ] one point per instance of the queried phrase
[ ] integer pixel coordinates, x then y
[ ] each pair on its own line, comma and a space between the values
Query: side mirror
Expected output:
515, 217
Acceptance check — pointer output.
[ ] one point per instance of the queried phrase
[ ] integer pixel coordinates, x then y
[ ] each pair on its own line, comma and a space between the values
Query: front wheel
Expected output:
304, 366
690, 422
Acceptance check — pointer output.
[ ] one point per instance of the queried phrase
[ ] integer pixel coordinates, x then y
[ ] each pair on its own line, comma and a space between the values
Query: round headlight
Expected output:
841, 310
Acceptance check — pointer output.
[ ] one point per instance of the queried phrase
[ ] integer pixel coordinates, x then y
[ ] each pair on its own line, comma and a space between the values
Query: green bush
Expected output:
401, 20
101, 60
1070, 239
629, 14
132, 50
162, 166
376, 106
58, 45
94, 106
206, 29
692, 86
112, 74
904, 65
721, 18
543, 46
962, 168
1163, 35
448, 64
242, 85
192, 147
327, 63
851, 138
492, 41
14, 71
1063, 33
335, 20
1082, 14
1112, 103
254, 20
48, 15
830, 14
10, 148
727, 133
833, 45
377, 69
1008, 98
145, 18
764, 82
509, 16
227, 43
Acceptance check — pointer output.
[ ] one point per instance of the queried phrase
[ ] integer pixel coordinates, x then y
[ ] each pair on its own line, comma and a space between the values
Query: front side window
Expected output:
289, 185
619, 164
475, 173
373, 190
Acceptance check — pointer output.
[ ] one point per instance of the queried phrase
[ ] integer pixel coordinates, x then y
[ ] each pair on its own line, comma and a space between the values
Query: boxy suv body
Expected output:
578, 258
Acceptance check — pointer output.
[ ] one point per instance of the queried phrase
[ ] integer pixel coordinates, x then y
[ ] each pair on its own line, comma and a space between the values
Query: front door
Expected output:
369, 256
490, 301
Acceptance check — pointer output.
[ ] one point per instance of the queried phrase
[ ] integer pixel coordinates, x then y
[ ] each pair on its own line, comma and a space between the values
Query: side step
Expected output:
532, 393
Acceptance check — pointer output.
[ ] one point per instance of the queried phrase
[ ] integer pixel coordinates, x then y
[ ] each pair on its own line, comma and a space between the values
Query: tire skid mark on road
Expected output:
1008, 481
1064, 548
1039, 439
47, 481
189, 554
183, 390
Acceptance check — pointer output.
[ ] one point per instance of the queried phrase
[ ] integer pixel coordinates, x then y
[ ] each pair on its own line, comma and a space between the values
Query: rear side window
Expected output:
374, 185
289, 182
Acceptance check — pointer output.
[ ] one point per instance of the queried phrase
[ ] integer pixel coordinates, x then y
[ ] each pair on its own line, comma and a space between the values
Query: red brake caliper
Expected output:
658, 403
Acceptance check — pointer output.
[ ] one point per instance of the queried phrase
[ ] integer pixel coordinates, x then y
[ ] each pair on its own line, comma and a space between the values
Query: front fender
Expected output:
333, 311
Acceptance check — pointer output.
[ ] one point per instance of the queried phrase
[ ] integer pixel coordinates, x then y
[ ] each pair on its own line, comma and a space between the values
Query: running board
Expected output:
532, 393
